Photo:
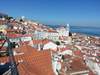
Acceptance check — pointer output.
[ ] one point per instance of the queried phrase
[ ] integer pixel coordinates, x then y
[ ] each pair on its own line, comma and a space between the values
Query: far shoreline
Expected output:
90, 35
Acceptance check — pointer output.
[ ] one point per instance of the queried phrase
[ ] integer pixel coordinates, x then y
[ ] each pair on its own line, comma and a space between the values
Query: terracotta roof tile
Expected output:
74, 65
78, 53
26, 49
37, 64
41, 41
33, 62
78, 64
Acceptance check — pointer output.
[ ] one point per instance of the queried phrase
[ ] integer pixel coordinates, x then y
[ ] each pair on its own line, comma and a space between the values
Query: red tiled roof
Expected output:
78, 64
64, 49
13, 35
34, 62
78, 52
74, 65
18, 35
54, 31
40, 41
38, 64
26, 49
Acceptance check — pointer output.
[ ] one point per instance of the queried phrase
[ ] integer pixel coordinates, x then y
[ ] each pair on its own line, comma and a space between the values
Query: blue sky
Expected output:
74, 12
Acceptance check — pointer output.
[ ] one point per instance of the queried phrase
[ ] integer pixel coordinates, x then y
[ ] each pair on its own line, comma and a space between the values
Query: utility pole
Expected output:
13, 67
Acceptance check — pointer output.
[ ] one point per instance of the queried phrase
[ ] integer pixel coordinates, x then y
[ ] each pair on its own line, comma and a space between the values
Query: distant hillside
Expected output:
2, 15
56, 26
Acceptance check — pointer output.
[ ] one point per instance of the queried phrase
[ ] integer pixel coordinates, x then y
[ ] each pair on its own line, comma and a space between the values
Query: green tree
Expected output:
57, 43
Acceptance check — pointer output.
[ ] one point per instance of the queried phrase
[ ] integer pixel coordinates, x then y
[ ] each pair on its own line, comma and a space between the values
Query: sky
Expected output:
54, 12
